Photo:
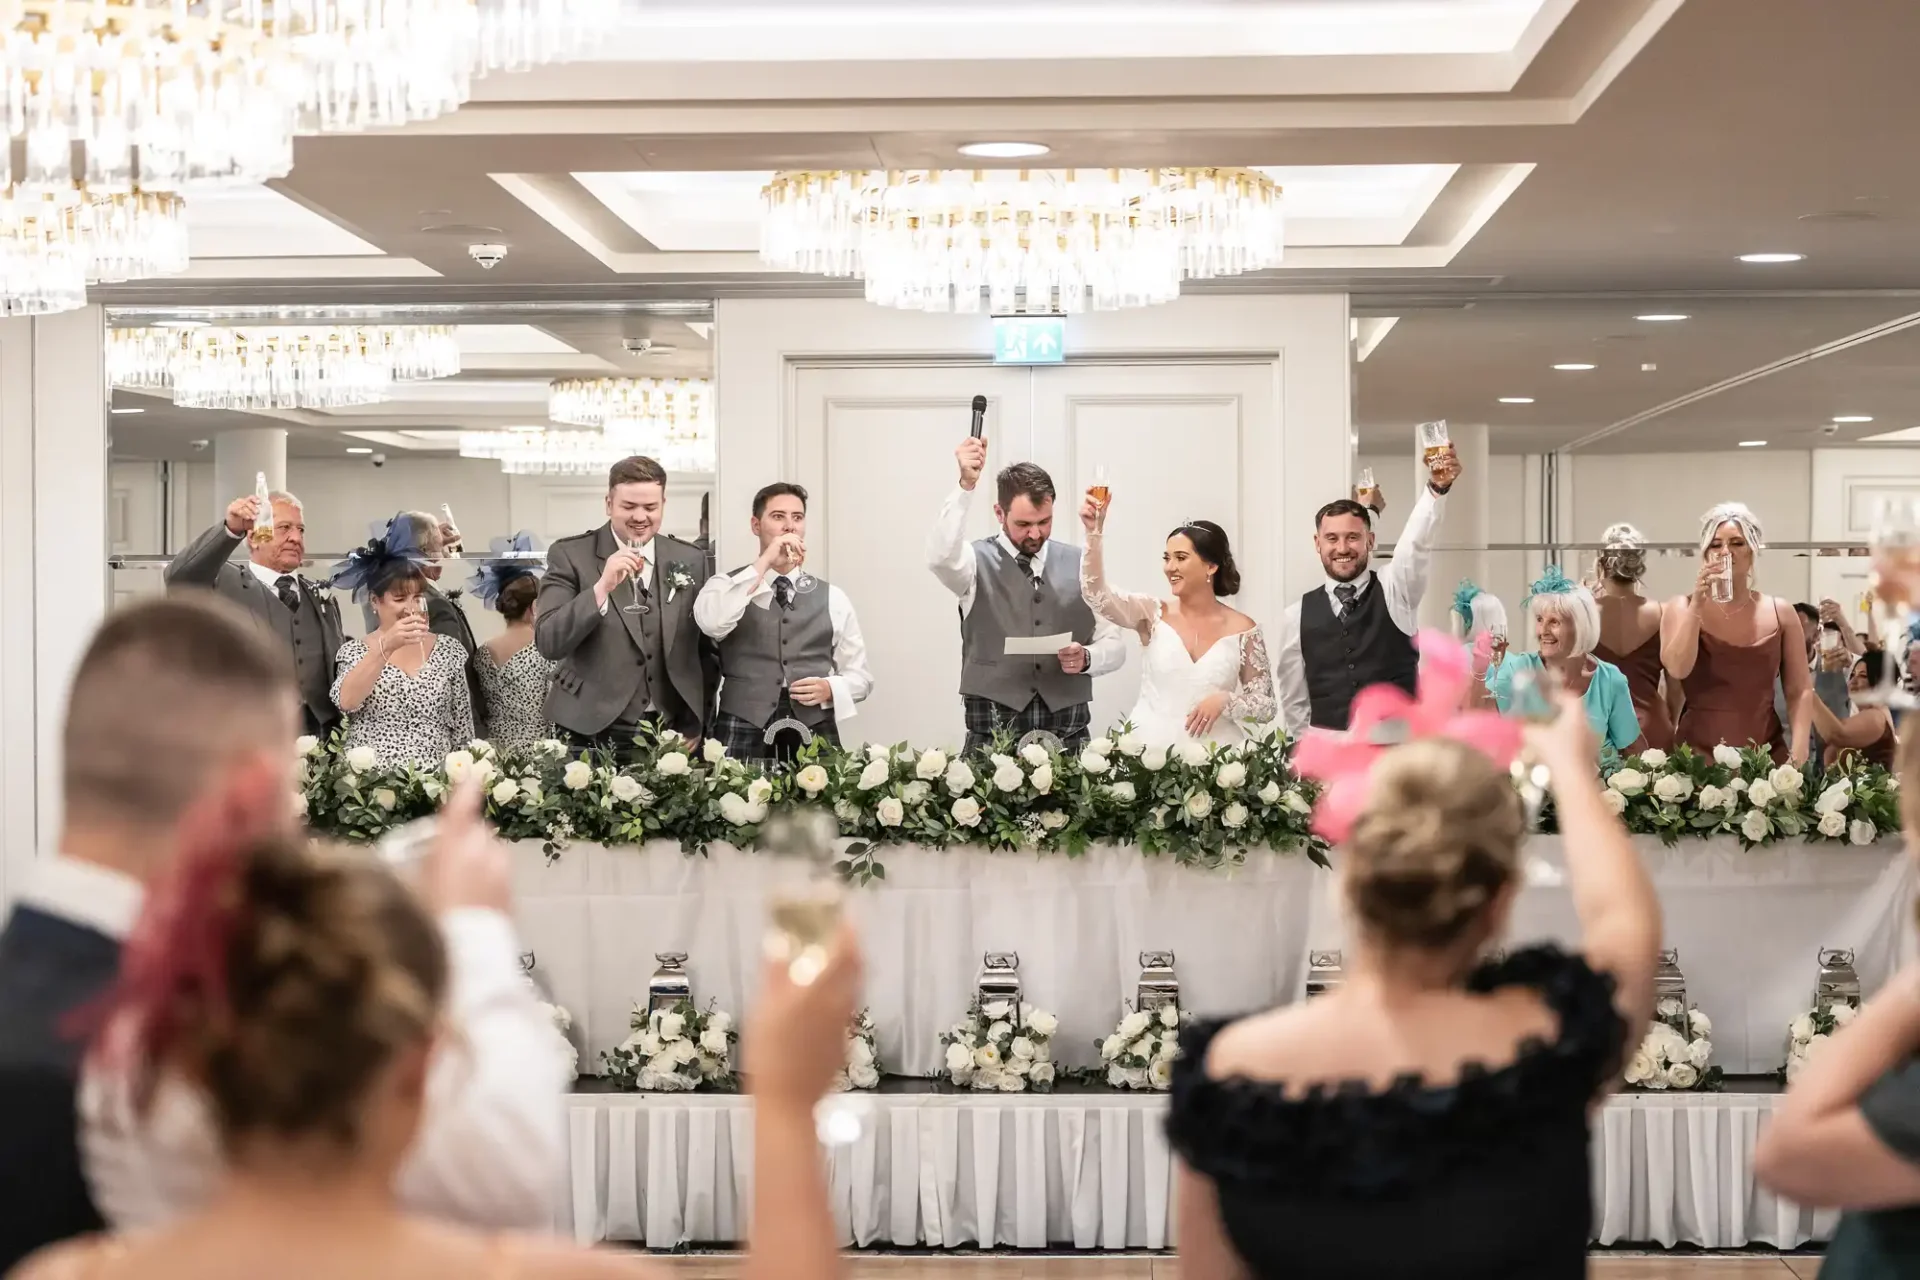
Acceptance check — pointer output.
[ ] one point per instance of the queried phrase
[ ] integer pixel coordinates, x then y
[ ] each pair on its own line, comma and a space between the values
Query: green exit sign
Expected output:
1029, 339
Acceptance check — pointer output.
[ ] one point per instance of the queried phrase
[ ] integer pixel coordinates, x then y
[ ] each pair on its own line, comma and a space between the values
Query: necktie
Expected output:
783, 592
1344, 593
288, 591
1025, 562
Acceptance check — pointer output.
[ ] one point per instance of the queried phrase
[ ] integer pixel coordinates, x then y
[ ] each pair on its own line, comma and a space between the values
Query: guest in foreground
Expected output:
1204, 670
1338, 639
616, 619
1429, 1117
1726, 643
1847, 1135
1021, 584
513, 674
211, 745
1566, 623
1866, 729
298, 613
790, 646
1630, 629
403, 689
301, 991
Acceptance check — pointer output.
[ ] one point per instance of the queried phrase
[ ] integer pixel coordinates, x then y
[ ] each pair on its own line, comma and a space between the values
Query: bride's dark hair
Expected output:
1210, 544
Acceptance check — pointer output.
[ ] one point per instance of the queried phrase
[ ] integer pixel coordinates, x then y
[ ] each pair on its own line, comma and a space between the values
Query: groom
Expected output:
1019, 584
616, 617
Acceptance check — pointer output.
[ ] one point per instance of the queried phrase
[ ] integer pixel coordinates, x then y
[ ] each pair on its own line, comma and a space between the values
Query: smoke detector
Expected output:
488, 256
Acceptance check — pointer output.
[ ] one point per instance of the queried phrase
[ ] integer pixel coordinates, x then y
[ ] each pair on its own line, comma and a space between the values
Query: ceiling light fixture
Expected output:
1034, 240
1853, 417
280, 366
537, 451
1663, 317
358, 449
668, 419
1753, 444
51, 248
1772, 258
126, 411
1574, 368
1516, 399
1004, 150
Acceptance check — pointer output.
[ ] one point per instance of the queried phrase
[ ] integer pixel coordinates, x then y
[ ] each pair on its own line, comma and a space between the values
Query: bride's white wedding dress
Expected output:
1173, 681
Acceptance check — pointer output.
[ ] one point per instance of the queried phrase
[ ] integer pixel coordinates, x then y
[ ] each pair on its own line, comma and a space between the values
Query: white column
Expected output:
1460, 542
53, 558
238, 459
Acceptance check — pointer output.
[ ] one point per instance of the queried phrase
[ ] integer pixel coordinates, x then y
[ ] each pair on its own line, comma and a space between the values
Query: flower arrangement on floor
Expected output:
986, 1051
863, 1069
1742, 793
675, 1050
1140, 1052
563, 1023
1666, 1059
1808, 1034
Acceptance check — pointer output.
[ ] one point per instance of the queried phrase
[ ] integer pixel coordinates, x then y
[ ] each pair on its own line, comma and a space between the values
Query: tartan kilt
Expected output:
985, 718
745, 740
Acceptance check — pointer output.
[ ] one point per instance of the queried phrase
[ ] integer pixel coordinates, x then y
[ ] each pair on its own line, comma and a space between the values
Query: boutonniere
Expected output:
677, 578
454, 594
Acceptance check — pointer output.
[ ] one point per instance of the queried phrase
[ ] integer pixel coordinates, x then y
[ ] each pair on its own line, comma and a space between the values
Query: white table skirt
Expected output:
1747, 923
1094, 1171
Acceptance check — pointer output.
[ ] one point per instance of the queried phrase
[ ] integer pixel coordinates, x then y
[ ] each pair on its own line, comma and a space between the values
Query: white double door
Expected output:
874, 445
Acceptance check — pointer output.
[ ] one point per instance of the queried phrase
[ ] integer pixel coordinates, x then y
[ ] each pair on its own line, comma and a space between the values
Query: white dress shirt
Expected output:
648, 569
271, 577
727, 596
492, 1143
951, 558
1405, 582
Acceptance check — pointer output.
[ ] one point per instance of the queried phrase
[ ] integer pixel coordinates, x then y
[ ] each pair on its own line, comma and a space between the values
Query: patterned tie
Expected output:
783, 592
1025, 561
288, 591
1344, 593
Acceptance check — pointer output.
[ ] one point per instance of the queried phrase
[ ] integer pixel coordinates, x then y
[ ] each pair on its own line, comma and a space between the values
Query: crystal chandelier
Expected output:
51, 249
1029, 239
280, 366
537, 451
668, 420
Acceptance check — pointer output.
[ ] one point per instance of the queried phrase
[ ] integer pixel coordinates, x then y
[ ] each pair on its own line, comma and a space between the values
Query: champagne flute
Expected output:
1365, 489
1895, 541
638, 603
262, 532
803, 581
1101, 492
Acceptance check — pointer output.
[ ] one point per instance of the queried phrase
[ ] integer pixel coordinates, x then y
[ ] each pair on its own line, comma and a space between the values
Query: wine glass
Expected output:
1365, 487
638, 603
804, 910
1895, 541
1532, 698
803, 581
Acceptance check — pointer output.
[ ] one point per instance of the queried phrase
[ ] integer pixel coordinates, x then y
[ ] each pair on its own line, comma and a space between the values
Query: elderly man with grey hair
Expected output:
297, 611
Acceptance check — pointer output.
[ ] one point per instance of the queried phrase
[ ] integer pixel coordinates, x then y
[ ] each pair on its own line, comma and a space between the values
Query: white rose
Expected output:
714, 1042
1700, 1052
959, 778
1169, 1049
719, 1020
930, 765
1738, 786
1269, 793
1681, 1075
1136, 1077
1043, 778
1232, 774
890, 812
1754, 826
735, 809
1113, 1046
859, 1051
1121, 791
999, 1031
1614, 801
1628, 782
1041, 1075
1134, 1023
648, 1043
1234, 816
1154, 759
1802, 1029
551, 747
1042, 1023
1093, 762
1835, 798
362, 759
1673, 787
1007, 777
1833, 825
1710, 796
1052, 820
1157, 817
881, 751
986, 1056
1787, 780
759, 791
959, 1057
997, 1011
1760, 794
1653, 758
966, 811
1727, 756
1191, 753
505, 791
306, 744
1295, 802
1116, 1077
671, 1025
1034, 754
1102, 747
1130, 745
578, 775
1668, 1008
1169, 1015
672, 765
1023, 1049
1012, 1082
1199, 805
847, 811
1699, 1023
624, 789
1142, 1048
480, 747
874, 775
915, 792
713, 751
1861, 832
1160, 1074
812, 779
384, 797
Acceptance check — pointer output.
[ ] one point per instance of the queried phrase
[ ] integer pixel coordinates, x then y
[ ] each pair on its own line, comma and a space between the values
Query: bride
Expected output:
1204, 670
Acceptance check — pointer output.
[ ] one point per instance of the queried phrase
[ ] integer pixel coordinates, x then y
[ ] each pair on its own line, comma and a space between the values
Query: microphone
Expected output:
979, 417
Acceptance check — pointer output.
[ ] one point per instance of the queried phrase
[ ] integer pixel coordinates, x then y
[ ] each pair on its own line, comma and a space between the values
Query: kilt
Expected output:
986, 717
745, 740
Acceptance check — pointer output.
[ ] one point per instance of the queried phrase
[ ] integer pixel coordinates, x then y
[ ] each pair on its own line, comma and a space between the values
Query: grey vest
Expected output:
1008, 602
312, 664
770, 649
652, 685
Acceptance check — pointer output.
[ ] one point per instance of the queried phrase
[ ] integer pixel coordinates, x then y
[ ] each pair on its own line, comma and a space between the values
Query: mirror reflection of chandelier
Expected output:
280, 366
538, 451
50, 249
1033, 240
667, 419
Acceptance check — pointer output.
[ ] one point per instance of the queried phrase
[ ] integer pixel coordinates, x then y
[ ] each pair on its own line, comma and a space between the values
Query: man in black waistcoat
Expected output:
182, 714
1357, 628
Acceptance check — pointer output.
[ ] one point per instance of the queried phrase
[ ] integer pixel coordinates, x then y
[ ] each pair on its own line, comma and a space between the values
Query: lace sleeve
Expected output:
1136, 612
1253, 698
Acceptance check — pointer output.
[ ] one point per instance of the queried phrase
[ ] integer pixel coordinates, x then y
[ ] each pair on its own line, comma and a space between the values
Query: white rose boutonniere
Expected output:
678, 580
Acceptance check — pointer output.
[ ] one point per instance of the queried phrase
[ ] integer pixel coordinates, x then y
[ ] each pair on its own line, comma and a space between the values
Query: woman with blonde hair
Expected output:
1630, 629
1726, 642
1566, 626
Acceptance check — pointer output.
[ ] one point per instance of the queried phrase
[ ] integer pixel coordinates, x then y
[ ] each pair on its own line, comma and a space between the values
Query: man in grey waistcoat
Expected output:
616, 616
790, 646
1019, 583
299, 612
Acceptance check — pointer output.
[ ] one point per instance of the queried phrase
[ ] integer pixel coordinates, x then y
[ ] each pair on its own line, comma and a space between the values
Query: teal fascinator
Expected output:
1553, 582
1463, 597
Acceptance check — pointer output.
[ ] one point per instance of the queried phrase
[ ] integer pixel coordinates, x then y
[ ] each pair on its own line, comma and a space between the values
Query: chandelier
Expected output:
280, 366
51, 249
537, 451
668, 419
1029, 239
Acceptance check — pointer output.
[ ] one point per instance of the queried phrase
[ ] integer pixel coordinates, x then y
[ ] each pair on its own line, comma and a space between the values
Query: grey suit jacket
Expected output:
207, 563
597, 655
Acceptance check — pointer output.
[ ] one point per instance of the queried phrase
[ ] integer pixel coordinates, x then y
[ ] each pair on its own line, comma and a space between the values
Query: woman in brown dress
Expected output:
1867, 730
1630, 629
1726, 654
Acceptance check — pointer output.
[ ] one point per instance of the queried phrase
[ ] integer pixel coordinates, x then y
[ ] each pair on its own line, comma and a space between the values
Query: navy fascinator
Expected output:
520, 556
391, 544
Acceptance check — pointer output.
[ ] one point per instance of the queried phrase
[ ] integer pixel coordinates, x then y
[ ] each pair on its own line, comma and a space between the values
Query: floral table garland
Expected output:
1742, 793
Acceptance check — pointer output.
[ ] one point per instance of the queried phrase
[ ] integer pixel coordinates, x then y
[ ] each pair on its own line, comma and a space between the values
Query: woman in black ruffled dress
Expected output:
1429, 1117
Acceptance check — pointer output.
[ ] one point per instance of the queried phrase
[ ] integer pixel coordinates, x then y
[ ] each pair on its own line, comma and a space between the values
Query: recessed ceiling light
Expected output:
1772, 257
126, 411
1753, 444
1573, 368
1516, 399
357, 449
1853, 417
1661, 317
1005, 150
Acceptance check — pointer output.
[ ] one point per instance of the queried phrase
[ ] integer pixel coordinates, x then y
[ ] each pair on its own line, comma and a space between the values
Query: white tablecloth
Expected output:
1747, 925
1094, 1171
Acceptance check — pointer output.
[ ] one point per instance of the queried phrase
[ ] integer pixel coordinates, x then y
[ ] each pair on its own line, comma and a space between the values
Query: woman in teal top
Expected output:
1566, 625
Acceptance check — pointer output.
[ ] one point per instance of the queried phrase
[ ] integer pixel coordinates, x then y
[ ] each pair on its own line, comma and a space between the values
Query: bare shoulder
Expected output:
1239, 623
67, 1260
1273, 1046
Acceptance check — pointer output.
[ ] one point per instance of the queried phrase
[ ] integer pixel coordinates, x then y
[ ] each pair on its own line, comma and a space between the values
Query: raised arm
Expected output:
1253, 701
1134, 612
947, 552
1861, 729
1404, 579
359, 667
199, 564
